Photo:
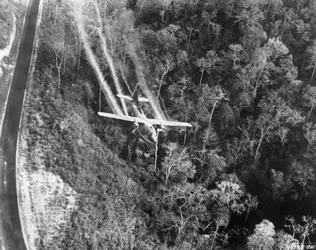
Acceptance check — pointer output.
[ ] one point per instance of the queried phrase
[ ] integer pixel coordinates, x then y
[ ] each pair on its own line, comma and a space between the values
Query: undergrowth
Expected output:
65, 132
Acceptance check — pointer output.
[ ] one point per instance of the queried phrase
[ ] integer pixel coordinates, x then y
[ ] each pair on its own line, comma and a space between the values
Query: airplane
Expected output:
144, 125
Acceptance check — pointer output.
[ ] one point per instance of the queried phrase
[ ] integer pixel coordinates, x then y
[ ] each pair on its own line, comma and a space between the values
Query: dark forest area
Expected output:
242, 72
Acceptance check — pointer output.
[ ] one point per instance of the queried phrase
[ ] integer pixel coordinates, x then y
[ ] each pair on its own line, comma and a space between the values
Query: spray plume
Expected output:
109, 58
91, 57
131, 50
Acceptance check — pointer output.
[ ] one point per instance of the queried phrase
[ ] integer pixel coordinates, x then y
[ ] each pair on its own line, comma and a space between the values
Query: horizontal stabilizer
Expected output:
127, 97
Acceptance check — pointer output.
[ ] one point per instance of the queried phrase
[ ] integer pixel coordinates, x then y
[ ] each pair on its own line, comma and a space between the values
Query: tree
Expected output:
58, 63
59, 37
249, 18
263, 236
55, 39
276, 119
78, 46
209, 140
227, 117
280, 184
167, 65
310, 135
265, 125
234, 150
182, 106
236, 54
310, 98
231, 193
303, 175
264, 68
184, 210
302, 231
221, 218
208, 157
285, 241
311, 53
165, 6
207, 64
252, 204
217, 94
177, 165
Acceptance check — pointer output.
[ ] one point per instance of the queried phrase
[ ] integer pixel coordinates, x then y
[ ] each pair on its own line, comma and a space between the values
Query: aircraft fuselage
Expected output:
146, 129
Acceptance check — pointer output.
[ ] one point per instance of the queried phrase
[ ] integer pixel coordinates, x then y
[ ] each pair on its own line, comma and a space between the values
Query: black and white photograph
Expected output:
157, 124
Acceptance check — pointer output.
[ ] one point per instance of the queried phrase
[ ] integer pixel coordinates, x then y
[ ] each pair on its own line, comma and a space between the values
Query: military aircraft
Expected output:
144, 125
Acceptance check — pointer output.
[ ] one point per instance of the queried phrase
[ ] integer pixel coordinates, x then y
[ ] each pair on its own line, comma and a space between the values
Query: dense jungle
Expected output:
242, 72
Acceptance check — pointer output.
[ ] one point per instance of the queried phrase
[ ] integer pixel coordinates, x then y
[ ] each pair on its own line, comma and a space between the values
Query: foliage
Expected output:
177, 166
231, 193
284, 240
303, 176
301, 231
263, 236
240, 71
184, 211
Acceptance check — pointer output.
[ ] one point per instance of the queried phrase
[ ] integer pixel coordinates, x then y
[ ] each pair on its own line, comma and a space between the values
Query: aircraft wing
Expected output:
123, 117
114, 116
142, 120
169, 123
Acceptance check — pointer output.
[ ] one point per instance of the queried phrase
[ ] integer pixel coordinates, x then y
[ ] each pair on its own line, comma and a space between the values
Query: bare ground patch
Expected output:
46, 203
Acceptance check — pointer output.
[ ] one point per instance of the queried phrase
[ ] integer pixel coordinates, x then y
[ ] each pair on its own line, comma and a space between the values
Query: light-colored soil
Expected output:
46, 203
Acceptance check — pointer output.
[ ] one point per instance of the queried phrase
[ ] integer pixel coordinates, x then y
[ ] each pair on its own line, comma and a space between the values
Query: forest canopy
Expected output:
242, 72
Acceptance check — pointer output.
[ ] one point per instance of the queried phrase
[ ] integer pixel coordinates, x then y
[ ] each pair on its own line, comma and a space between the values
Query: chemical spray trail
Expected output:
109, 58
131, 50
91, 57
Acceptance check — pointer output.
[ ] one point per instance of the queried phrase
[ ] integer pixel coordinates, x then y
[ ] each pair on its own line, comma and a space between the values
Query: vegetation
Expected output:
6, 26
240, 71
7, 9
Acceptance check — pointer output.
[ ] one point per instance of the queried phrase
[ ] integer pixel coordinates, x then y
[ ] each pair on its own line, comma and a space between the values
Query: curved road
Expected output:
11, 237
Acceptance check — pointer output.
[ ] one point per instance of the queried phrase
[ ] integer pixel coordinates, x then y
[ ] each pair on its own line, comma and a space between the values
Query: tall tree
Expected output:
301, 231
304, 176
184, 210
263, 236
310, 98
231, 193
208, 63
177, 166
